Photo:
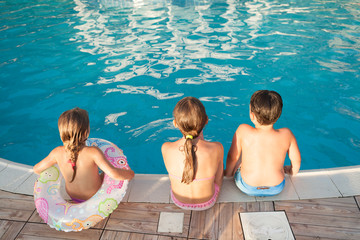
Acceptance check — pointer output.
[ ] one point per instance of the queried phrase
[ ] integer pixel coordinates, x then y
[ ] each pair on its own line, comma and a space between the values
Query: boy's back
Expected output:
263, 154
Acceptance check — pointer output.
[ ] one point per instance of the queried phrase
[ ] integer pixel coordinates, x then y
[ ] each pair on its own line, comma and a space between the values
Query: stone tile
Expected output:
150, 188
314, 184
266, 225
14, 175
288, 193
27, 187
346, 180
231, 193
3, 164
170, 222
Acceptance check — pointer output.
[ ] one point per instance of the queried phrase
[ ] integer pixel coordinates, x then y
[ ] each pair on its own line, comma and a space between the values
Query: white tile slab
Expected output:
231, 193
13, 176
346, 180
171, 222
150, 188
266, 225
3, 164
27, 187
314, 184
288, 193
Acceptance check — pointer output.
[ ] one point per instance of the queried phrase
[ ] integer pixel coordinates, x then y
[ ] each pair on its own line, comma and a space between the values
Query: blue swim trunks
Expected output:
257, 191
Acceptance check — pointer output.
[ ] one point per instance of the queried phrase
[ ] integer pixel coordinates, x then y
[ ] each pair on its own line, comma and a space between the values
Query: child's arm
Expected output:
46, 162
233, 154
109, 169
295, 157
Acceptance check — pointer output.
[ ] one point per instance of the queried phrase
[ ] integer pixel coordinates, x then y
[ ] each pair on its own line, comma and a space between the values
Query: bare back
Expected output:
263, 154
87, 179
209, 170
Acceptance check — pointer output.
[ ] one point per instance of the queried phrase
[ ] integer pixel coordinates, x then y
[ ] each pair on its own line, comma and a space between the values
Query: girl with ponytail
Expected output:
195, 166
77, 162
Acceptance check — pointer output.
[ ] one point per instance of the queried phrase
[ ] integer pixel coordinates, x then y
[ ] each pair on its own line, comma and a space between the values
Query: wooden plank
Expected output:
131, 226
212, 222
113, 235
343, 201
10, 229
311, 238
10, 195
324, 220
136, 236
266, 207
170, 238
357, 199
154, 207
324, 232
197, 223
18, 204
225, 221
136, 215
42, 230
331, 210
14, 214
237, 228
151, 237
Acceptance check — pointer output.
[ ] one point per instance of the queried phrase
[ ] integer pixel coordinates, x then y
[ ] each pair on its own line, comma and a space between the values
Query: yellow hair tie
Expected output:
189, 136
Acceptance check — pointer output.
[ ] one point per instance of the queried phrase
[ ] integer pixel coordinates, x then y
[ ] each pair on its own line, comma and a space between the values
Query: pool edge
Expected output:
155, 188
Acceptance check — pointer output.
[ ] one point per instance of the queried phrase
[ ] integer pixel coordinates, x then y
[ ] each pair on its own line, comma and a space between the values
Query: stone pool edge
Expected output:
155, 188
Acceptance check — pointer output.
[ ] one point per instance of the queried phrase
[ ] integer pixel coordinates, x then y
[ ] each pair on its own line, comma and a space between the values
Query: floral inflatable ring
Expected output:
68, 216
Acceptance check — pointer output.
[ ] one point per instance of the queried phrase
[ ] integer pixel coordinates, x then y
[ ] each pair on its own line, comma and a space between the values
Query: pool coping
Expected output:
155, 188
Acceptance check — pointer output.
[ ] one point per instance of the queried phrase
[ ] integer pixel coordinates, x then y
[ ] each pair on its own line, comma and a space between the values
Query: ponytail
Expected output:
190, 161
191, 118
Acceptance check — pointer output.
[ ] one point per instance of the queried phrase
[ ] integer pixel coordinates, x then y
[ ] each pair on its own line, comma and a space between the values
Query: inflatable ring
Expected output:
68, 216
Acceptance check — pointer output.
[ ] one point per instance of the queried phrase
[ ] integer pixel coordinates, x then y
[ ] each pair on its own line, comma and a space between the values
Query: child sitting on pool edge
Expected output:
260, 152
79, 163
195, 166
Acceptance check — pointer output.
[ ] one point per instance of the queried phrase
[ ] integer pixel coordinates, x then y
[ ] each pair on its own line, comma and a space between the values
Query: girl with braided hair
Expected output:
77, 162
195, 166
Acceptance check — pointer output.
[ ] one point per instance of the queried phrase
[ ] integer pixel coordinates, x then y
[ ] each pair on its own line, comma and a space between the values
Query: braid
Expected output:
73, 127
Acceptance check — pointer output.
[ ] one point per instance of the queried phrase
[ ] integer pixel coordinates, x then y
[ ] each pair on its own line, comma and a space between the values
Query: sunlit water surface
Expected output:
128, 63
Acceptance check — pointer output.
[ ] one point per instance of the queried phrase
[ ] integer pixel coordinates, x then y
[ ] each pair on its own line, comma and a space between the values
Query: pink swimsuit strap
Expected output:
195, 180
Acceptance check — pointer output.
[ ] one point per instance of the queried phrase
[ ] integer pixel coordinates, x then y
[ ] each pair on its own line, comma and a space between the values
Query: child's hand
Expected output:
288, 170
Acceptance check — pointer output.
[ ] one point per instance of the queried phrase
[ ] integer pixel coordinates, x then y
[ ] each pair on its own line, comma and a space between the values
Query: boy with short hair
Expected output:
260, 152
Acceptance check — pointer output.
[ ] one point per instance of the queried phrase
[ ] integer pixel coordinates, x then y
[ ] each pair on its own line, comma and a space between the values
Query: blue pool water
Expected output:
128, 63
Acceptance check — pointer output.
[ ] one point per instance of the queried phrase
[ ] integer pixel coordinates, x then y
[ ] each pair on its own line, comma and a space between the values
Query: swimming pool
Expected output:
129, 62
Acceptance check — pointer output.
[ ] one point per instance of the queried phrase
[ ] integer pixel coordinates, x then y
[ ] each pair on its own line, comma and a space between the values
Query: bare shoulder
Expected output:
286, 131
92, 150
58, 151
244, 128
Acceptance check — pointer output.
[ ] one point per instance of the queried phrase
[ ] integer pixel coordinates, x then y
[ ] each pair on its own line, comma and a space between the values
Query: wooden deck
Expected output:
332, 218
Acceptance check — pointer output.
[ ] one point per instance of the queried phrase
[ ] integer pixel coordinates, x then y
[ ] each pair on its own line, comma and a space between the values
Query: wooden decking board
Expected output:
10, 229
324, 220
10, 195
131, 226
328, 219
197, 224
357, 199
114, 235
139, 215
324, 232
225, 222
212, 222
43, 230
298, 206
237, 228
14, 214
